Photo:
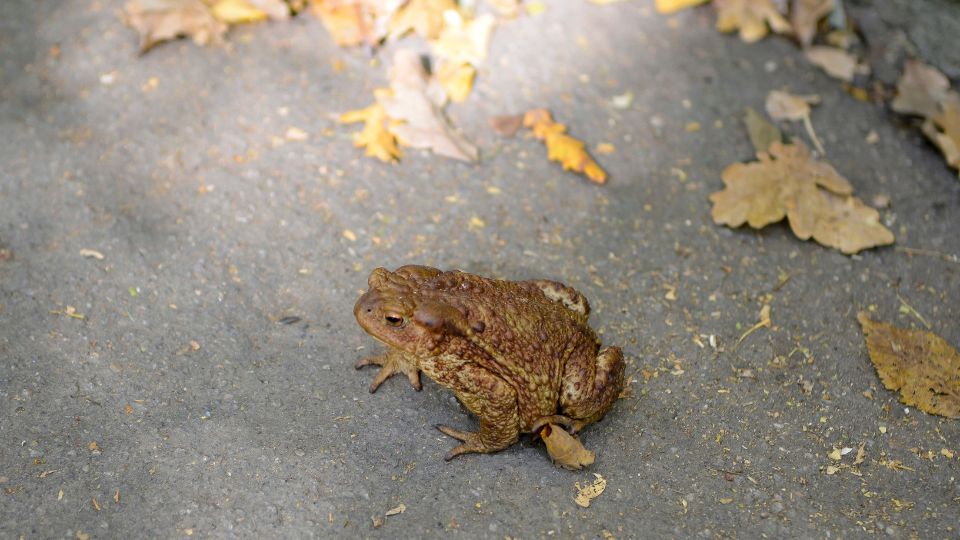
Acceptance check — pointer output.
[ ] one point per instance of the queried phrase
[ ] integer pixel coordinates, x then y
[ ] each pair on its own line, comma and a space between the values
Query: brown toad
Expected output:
517, 354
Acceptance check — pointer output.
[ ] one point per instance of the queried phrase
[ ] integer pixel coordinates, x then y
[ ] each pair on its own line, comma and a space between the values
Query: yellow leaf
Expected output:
457, 80
561, 147
588, 492
163, 20
921, 365
355, 22
375, 138
672, 6
750, 17
424, 17
564, 449
236, 12
814, 198
464, 40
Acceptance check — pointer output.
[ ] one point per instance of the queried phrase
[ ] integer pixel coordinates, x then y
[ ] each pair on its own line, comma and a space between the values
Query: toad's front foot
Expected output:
391, 363
471, 442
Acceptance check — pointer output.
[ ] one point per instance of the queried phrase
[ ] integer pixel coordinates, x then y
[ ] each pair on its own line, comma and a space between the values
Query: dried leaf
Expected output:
786, 106
804, 18
162, 20
762, 133
920, 89
356, 22
837, 63
401, 508
375, 138
91, 253
588, 492
237, 12
507, 126
561, 147
750, 17
416, 105
423, 17
457, 80
672, 6
785, 183
922, 366
464, 40
564, 449
944, 130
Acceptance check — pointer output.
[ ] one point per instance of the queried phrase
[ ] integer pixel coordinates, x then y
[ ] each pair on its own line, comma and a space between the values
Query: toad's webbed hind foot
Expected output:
472, 443
391, 363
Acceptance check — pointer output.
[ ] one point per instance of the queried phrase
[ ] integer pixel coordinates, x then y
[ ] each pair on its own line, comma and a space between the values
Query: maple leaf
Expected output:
424, 17
161, 20
750, 17
944, 129
416, 104
921, 365
356, 22
457, 80
671, 6
564, 449
920, 89
804, 17
464, 40
375, 137
785, 183
561, 147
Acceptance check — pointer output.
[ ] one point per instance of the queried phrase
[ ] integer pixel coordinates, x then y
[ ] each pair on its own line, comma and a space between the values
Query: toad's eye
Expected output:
393, 320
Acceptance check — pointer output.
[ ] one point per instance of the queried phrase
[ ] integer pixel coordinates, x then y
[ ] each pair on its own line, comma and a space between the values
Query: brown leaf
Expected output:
375, 139
416, 105
564, 449
162, 20
944, 129
922, 366
762, 133
561, 147
507, 126
837, 63
920, 89
786, 183
750, 17
804, 17
786, 106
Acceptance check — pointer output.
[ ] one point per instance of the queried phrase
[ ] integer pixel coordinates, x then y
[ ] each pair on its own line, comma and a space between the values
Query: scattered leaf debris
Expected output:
399, 509
751, 18
588, 492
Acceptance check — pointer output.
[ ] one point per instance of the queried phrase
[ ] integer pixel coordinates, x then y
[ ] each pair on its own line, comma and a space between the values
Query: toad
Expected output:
518, 354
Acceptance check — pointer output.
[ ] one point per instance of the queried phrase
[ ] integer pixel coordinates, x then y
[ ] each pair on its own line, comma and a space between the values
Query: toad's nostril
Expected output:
369, 310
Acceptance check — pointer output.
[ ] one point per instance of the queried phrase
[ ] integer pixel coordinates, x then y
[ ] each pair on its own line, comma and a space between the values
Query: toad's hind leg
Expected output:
590, 390
495, 404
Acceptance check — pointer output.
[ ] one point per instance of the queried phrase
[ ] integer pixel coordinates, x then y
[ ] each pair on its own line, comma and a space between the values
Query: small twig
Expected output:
929, 253
904, 306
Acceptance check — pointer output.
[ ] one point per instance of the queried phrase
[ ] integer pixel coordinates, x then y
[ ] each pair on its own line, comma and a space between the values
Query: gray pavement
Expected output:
182, 394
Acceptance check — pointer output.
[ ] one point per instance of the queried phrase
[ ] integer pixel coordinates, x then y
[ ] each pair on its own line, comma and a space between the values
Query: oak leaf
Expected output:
564, 449
161, 20
787, 182
375, 137
561, 147
750, 17
804, 16
920, 89
416, 103
944, 129
672, 6
922, 366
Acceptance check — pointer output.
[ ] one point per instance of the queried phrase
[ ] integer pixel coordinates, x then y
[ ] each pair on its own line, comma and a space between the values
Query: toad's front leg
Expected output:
495, 404
392, 362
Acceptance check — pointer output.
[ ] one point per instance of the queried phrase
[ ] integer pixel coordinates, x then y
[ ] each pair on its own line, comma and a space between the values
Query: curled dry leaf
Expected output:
564, 449
922, 366
415, 104
161, 20
561, 147
944, 129
786, 183
588, 492
762, 133
804, 16
375, 138
920, 89
672, 6
399, 509
750, 17
837, 63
